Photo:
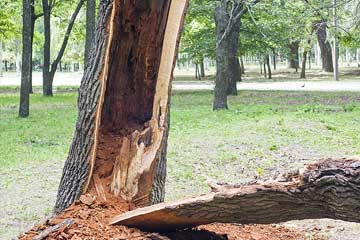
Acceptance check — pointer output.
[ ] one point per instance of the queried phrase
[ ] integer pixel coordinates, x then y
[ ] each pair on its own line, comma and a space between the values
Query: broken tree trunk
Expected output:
122, 127
327, 189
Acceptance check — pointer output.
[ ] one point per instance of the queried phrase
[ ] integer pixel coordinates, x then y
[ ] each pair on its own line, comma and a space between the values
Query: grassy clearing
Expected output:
262, 133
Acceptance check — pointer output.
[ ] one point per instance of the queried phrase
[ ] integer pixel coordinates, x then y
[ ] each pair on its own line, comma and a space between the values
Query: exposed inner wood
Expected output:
131, 117
327, 189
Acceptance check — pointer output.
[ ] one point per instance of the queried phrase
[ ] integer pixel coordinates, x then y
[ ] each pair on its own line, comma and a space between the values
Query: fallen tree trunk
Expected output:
327, 189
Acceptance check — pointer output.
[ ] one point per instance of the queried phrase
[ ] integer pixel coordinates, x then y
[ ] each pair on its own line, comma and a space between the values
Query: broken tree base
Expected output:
89, 219
327, 189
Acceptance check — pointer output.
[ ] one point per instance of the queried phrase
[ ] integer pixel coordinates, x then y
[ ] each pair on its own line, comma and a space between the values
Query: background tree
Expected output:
50, 69
26, 60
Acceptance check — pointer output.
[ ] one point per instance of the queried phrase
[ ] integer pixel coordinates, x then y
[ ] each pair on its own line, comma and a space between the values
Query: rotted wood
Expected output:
326, 189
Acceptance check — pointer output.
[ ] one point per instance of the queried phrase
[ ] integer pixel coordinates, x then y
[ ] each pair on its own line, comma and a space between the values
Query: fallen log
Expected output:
326, 189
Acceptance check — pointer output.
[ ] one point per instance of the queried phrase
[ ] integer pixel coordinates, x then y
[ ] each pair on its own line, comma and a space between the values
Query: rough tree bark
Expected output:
121, 132
293, 56
327, 189
26, 60
222, 59
325, 47
49, 71
47, 85
90, 29
234, 70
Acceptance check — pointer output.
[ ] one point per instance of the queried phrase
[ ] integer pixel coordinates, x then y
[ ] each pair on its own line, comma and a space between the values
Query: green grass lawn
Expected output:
262, 134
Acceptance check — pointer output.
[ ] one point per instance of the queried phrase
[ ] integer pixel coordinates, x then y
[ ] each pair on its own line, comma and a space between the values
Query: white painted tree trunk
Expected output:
358, 57
1, 66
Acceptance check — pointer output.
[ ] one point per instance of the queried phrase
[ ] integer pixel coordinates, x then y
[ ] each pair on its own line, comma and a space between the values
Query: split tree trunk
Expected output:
325, 47
121, 133
327, 189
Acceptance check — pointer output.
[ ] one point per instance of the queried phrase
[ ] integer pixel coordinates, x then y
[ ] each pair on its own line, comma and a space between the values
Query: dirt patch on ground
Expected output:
88, 219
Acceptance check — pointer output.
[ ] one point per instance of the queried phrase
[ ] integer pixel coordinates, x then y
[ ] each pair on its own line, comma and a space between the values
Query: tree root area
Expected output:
88, 219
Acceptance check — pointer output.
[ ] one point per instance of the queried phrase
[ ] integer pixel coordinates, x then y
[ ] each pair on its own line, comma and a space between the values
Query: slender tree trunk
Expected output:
202, 68
358, 57
325, 47
47, 84
303, 64
267, 61
121, 133
265, 72
90, 28
234, 71
6, 65
293, 57
304, 58
242, 66
1, 67
197, 77
33, 20
274, 58
309, 60
49, 73
222, 60
26, 60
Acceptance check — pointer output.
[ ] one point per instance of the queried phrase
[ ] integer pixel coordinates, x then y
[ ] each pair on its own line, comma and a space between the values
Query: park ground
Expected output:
262, 134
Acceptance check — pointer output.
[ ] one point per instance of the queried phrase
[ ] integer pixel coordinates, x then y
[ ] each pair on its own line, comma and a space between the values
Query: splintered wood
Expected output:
135, 158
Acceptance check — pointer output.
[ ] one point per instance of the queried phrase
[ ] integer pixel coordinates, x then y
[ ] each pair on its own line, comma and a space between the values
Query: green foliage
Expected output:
198, 39
10, 19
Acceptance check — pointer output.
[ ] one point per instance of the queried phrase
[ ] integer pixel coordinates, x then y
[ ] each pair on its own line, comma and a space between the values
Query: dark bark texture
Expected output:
222, 60
77, 165
327, 189
122, 127
90, 28
26, 60
234, 70
47, 84
325, 47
